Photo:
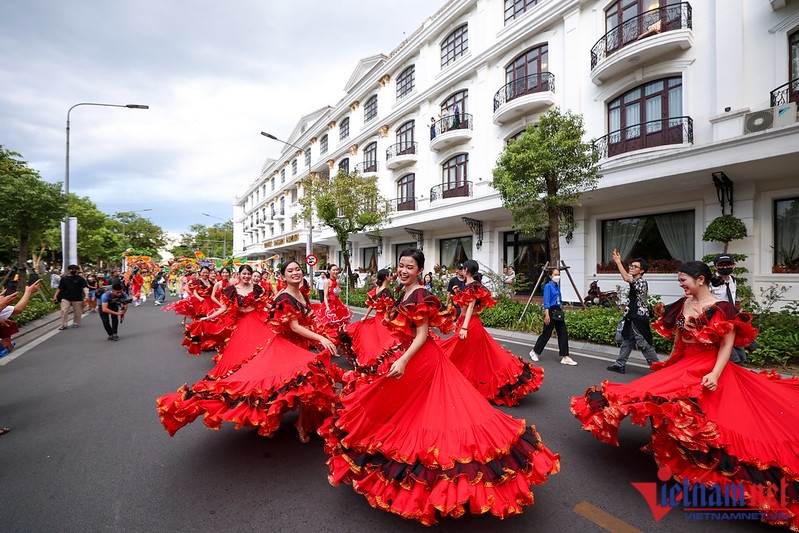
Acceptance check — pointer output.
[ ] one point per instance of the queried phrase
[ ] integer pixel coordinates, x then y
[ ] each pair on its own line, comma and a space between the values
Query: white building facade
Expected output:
672, 93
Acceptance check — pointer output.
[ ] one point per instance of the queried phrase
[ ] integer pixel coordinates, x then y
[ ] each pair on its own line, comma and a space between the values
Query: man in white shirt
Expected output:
724, 264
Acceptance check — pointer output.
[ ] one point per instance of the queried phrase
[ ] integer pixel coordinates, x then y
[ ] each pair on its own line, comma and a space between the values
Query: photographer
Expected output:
113, 306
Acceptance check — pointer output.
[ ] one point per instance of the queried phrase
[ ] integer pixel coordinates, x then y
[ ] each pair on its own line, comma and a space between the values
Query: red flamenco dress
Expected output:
429, 441
334, 316
745, 432
203, 336
280, 377
501, 377
192, 307
368, 344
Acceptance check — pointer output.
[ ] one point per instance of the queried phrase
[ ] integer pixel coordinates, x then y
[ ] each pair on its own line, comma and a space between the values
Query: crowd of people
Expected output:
408, 418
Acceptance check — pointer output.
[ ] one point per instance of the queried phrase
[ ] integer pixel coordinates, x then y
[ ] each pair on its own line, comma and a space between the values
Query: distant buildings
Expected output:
668, 90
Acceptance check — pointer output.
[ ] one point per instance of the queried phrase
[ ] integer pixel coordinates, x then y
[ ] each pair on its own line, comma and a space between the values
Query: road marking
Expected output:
604, 520
23, 349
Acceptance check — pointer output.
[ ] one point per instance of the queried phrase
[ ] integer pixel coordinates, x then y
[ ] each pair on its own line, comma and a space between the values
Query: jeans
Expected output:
158, 292
110, 323
636, 340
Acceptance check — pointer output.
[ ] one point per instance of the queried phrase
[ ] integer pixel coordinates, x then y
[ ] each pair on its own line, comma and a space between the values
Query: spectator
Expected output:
724, 287
458, 282
553, 319
55, 279
508, 275
432, 128
72, 292
159, 286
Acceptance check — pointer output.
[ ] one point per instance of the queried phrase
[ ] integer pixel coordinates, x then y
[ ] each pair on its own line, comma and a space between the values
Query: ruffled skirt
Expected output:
369, 346
249, 334
746, 431
501, 377
430, 442
278, 379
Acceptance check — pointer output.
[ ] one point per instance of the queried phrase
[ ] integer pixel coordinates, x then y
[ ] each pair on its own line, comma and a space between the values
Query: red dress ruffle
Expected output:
746, 431
336, 317
368, 344
501, 377
278, 378
429, 443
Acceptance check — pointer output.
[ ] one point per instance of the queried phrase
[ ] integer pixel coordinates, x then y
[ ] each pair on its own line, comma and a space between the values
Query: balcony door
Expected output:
523, 75
454, 177
793, 86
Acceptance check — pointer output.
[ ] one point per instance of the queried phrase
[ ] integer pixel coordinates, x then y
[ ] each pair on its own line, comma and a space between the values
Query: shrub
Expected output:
778, 337
504, 315
36, 309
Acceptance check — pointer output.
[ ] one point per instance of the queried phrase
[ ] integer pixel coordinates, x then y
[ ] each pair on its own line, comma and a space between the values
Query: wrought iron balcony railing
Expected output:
788, 92
459, 121
659, 20
365, 166
534, 83
402, 204
662, 132
451, 190
405, 148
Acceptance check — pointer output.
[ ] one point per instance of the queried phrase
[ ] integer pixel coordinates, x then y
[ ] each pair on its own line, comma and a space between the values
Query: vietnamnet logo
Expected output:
714, 501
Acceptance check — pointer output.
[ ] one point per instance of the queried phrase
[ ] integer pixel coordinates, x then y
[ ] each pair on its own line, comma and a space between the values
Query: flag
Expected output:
199, 255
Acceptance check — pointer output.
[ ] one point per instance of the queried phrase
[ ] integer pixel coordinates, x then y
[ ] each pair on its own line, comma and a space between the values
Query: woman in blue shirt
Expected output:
553, 319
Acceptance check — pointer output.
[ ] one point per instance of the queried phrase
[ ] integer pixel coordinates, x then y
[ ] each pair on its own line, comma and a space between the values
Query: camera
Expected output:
126, 301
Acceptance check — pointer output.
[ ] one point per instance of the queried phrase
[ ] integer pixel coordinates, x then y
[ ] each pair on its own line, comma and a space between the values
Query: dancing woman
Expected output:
368, 343
219, 286
331, 313
282, 376
713, 423
501, 377
421, 438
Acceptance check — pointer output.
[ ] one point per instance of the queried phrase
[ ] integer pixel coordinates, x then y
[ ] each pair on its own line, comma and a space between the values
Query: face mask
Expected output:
556, 279
724, 271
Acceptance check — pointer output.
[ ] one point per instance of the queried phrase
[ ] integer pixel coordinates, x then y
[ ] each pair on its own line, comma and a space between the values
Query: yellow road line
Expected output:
603, 519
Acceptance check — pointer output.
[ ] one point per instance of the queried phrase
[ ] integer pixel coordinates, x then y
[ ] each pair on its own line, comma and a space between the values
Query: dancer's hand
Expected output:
328, 345
462, 334
710, 381
397, 369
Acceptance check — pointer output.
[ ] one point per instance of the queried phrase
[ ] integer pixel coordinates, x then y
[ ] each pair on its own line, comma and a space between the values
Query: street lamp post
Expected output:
67, 258
309, 242
224, 246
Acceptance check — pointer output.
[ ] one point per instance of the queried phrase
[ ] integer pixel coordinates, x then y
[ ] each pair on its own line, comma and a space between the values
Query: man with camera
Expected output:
113, 306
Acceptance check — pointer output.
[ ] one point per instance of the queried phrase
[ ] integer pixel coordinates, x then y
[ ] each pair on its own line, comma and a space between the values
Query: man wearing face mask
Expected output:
71, 293
724, 288
634, 327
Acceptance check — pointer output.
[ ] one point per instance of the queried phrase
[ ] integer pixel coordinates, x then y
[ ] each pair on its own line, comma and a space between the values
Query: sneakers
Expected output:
114, 337
568, 361
61, 328
74, 326
157, 303
533, 355
616, 368
110, 337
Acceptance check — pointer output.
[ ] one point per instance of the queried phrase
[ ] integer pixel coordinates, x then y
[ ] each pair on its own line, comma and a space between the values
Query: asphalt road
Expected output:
87, 451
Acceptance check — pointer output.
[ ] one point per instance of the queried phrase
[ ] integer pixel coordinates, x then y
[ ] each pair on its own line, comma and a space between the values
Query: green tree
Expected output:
30, 205
139, 233
209, 240
348, 203
724, 229
547, 169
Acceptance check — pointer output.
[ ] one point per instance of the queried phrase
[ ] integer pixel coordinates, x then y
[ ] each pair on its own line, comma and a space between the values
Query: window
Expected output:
453, 109
283, 175
294, 164
370, 157
398, 249
454, 251
370, 109
406, 193
344, 129
793, 87
636, 19
293, 196
665, 240
308, 157
369, 259
282, 205
649, 115
786, 235
406, 81
524, 74
515, 8
455, 45
344, 165
454, 176
273, 184
323, 145
405, 139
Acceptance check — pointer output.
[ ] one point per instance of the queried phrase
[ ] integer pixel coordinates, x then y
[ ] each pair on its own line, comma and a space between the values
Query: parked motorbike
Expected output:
596, 297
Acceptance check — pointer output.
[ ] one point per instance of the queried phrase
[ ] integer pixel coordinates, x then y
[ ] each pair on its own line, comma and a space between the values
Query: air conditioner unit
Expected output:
773, 117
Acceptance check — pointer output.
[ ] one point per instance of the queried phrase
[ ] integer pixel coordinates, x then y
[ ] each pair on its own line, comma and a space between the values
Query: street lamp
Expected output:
224, 249
309, 242
67, 258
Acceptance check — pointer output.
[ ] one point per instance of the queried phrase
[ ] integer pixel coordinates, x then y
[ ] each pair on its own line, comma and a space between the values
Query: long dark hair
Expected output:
382, 274
696, 269
471, 267
414, 253
285, 265
242, 268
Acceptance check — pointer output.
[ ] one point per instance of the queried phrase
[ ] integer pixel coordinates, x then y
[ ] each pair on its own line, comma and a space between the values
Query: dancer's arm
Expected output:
398, 367
301, 330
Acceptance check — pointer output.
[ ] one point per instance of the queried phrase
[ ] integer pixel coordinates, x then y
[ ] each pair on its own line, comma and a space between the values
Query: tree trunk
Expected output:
554, 224
22, 259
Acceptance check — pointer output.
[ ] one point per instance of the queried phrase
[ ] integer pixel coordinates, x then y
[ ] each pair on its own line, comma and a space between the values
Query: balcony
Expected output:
786, 93
451, 130
366, 167
524, 96
279, 213
640, 40
402, 204
451, 190
260, 223
401, 155
662, 132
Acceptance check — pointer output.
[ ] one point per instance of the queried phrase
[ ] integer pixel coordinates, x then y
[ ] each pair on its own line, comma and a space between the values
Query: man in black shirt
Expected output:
457, 282
71, 293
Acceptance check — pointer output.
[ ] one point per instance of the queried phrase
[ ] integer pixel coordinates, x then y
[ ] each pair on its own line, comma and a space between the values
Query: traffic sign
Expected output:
311, 260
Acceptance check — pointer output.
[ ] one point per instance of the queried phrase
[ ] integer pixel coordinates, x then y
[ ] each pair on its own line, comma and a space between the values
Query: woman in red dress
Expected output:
499, 375
421, 438
368, 343
283, 375
713, 423
331, 313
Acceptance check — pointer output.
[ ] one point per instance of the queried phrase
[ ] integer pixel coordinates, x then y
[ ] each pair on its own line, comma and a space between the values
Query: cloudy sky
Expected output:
215, 74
